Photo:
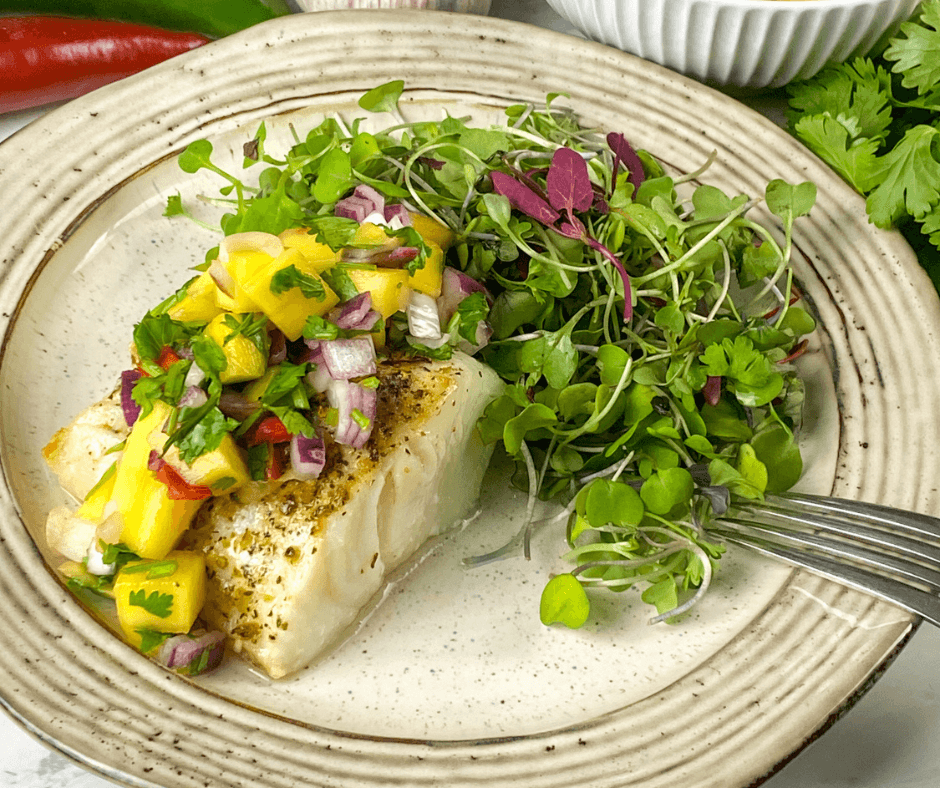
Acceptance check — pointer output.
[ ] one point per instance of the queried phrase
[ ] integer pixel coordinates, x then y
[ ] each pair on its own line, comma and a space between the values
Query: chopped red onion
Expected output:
386, 257
193, 397
348, 397
366, 192
455, 287
364, 200
237, 406
349, 358
355, 314
307, 456
397, 213
315, 354
319, 378
130, 408
423, 320
354, 208
185, 652
154, 461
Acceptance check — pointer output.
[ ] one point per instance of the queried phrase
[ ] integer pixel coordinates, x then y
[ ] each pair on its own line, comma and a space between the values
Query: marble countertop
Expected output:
888, 738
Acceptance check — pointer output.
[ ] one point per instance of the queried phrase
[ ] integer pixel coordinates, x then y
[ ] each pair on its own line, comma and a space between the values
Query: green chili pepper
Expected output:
214, 18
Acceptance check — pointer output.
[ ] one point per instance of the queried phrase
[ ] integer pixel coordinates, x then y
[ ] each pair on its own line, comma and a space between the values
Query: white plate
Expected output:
452, 680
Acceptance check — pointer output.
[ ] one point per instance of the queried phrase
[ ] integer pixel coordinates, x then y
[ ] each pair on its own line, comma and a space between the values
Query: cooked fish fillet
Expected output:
291, 567
79, 453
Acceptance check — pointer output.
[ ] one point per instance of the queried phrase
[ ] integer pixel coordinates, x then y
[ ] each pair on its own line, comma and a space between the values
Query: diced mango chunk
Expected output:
244, 357
164, 595
388, 286
432, 231
373, 235
241, 265
200, 302
319, 255
290, 308
223, 469
152, 523
430, 278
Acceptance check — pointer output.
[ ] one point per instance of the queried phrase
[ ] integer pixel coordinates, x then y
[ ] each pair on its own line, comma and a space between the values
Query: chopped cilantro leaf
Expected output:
290, 277
157, 604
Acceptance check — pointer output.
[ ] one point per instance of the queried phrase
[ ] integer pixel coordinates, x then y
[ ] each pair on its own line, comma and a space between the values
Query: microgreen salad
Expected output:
646, 340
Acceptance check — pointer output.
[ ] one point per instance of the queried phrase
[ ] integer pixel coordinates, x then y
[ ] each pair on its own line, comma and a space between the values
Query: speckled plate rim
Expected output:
137, 724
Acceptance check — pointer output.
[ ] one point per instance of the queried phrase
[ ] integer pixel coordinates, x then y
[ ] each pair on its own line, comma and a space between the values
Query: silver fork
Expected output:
891, 554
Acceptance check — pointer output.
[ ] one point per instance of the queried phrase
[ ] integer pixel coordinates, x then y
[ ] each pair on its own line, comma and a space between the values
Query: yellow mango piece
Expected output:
318, 254
241, 265
288, 310
92, 507
432, 231
430, 278
245, 359
222, 469
200, 302
151, 523
373, 235
164, 595
389, 288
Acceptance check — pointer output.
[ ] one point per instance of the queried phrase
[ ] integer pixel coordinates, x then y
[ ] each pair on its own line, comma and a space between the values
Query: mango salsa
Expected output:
164, 595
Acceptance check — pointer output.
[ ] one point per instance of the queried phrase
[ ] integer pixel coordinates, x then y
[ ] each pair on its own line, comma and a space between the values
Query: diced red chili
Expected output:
168, 357
270, 429
178, 489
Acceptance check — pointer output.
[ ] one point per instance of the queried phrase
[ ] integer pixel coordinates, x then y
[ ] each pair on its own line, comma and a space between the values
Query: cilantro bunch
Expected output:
876, 122
644, 325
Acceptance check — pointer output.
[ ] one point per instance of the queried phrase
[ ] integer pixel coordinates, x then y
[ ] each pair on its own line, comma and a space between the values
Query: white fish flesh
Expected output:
291, 568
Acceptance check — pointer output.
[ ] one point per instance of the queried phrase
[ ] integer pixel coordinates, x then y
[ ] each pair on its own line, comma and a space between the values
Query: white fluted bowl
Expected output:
464, 6
741, 43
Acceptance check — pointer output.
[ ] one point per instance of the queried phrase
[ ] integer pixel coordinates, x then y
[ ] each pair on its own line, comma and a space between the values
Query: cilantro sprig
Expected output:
875, 122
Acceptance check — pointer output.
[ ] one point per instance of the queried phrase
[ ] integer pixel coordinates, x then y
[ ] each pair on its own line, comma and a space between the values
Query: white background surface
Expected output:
888, 739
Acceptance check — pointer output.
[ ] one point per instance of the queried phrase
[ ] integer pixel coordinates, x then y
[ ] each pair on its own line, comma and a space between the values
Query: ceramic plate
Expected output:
451, 680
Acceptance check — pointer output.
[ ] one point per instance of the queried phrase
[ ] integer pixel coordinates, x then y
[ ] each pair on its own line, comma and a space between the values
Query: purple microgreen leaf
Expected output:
627, 290
524, 199
571, 229
568, 183
624, 154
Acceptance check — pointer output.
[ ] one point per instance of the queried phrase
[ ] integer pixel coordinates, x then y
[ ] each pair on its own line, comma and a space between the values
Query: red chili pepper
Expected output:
269, 430
168, 357
277, 462
51, 58
177, 488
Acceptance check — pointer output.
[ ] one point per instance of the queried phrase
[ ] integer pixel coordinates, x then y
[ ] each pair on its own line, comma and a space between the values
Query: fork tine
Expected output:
915, 600
912, 524
850, 526
875, 560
